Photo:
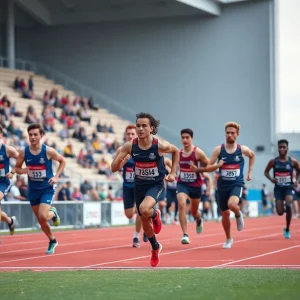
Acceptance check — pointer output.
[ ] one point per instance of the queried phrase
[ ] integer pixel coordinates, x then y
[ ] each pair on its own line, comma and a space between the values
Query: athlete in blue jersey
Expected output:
231, 180
128, 185
41, 180
283, 167
6, 152
150, 173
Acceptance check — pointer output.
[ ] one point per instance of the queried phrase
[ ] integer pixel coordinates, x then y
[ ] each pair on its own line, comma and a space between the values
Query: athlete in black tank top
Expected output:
231, 178
150, 173
283, 167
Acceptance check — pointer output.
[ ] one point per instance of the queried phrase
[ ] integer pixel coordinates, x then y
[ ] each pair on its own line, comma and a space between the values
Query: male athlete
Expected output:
128, 185
189, 181
38, 159
283, 166
231, 181
5, 175
147, 153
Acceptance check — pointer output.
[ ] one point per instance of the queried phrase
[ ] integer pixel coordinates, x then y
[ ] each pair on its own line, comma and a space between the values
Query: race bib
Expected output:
283, 178
2, 170
129, 175
230, 171
146, 169
37, 172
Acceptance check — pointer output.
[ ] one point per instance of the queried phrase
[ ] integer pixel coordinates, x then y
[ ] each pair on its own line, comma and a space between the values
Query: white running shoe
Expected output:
185, 240
228, 243
240, 222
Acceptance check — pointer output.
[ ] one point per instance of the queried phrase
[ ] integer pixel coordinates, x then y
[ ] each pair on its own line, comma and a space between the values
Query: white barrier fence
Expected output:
72, 214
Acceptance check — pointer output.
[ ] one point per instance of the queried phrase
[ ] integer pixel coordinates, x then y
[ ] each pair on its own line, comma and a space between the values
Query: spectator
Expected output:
68, 151
76, 195
99, 126
104, 168
97, 145
17, 85
111, 129
92, 104
85, 189
88, 160
65, 194
30, 84
64, 133
14, 193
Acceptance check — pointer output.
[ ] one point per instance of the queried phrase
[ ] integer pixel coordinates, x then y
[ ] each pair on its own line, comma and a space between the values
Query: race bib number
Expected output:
283, 178
230, 171
146, 169
129, 176
188, 176
37, 172
2, 170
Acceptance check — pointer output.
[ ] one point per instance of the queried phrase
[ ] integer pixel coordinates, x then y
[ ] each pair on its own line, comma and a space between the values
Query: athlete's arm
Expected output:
165, 147
124, 152
215, 155
52, 154
201, 156
296, 166
124, 161
209, 183
210, 164
13, 153
19, 163
248, 152
168, 164
215, 181
269, 166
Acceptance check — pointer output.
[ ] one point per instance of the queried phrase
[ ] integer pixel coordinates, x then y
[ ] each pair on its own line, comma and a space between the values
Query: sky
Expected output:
288, 63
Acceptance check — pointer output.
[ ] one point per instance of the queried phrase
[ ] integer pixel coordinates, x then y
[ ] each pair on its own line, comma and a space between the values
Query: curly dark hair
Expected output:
153, 122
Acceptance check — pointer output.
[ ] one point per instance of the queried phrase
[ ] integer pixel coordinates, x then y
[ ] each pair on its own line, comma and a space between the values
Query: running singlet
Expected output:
149, 166
283, 172
186, 175
4, 165
128, 173
39, 169
232, 171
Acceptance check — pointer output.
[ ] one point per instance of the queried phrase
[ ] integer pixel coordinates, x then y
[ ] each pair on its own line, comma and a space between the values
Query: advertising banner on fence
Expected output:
117, 214
92, 213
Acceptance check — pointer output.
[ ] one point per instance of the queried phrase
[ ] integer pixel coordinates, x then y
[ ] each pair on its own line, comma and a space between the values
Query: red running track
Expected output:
259, 245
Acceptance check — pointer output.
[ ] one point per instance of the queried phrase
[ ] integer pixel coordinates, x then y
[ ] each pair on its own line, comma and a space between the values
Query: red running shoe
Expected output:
155, 256
157, 224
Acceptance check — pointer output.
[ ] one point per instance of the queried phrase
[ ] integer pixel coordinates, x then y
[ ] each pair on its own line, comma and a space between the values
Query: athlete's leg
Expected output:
223, 198
226, 223
181, 198
279, 207
288, 206
129, 212
233, 204
43, 215
10, 221
148, 216
196, 214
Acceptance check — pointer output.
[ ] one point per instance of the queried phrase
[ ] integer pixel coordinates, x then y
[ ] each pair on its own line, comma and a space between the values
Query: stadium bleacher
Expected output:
42, 84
